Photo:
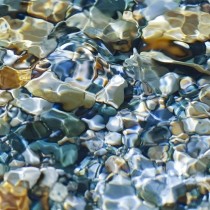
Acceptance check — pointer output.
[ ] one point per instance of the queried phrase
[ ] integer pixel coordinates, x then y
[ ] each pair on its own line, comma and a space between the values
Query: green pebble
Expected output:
67, 122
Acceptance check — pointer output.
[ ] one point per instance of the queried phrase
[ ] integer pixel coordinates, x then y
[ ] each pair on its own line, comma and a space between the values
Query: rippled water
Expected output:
104, 105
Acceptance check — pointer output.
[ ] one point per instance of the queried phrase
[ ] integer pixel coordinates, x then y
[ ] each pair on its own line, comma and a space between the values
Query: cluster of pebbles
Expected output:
105, 105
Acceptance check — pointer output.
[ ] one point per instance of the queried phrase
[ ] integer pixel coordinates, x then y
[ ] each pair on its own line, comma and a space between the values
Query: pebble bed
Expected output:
105, 105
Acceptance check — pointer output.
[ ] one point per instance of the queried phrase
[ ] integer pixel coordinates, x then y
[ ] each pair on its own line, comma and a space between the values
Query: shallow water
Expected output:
104, 105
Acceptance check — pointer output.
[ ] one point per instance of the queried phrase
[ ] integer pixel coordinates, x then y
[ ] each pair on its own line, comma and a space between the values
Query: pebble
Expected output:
29, 174
113, 93
58, 192
113, 138
49, 176
96, 123
67, 122
115, 124
204, 95
169, 83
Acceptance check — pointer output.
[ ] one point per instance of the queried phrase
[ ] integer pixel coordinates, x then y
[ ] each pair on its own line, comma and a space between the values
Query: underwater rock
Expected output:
165, 190
74, 202
113, 138
50, 10
113, 93
29, 174
96, 123
58, 192
30, 157
48, 87
12, 78
112, 31
157, 7
115, 124
156, 135
196, 125
13, 197
66, 154
67, 122
118, 194
178, 25
19, 34
49, 176
197, 109
34, 131
115, 164
186, 165
31, 105
188, 87
169, 83
204, 95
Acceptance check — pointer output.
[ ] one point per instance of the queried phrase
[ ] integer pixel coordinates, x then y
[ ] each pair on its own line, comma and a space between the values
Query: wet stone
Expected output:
58, 193
67, 122
29, 174
66, 154
35, 130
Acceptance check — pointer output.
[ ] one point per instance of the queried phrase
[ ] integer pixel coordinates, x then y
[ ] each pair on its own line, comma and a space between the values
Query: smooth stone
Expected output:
158, 153
151, 104
50, 88
74, 202
130, 138
66, 154
34, 106
115, 164
113, 93
93, 145
67, 122
31, 157
186, 166
4, 157
58, 193
107, 111
169, 83
162, 190
49, 176
4, 127
137, 161
204, 95
113, 138
155, 8
118, 193
115, 124
17, 164
3, 169
129, 119
29, 174
157, 116
156, 135
17, 142
203, 81
35, 130
96, 123
188, 87
197, 109
5, 97
196, 125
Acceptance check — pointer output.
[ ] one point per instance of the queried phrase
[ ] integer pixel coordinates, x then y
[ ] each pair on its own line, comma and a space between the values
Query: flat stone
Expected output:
29, 174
